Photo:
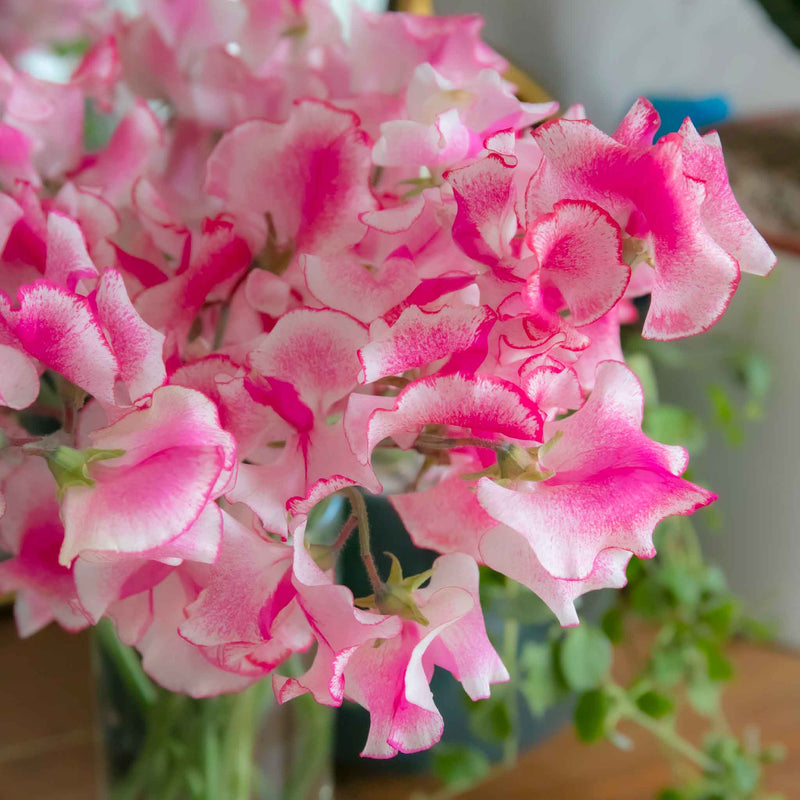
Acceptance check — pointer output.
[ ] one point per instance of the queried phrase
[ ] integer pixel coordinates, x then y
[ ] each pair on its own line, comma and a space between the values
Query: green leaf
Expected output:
714, 580
590, 715
725, 414
489, 719
539, 684
682, 585
613, 625
667, 354
745, 774
722, 405
703, 695
647, 599
756, 630
755, 373
654, 704
459, 766
668, 665
720, 618
719, 667
636, 569
585, 657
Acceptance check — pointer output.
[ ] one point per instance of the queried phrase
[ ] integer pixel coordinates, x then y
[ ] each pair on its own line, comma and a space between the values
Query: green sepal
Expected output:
70, 467
397, 594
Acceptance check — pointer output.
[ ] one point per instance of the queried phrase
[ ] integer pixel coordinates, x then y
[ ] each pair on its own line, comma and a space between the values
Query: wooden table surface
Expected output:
47, 749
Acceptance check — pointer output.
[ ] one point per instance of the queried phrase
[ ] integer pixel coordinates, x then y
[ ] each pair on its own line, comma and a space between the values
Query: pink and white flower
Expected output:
304, 251
391, 679
173, 460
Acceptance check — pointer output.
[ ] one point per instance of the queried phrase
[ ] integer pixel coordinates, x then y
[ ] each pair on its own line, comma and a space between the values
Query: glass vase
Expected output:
160, 745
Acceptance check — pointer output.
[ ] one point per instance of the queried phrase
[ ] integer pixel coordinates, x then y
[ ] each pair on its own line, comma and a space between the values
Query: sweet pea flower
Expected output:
696, 271
33, 533
161, 466
391, 679
601, 482
448, 122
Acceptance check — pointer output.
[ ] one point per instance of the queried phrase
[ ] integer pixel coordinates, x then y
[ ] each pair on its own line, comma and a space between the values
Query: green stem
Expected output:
240, 742
127, 664
429, 442
665, 732
211, 759
510, 658
147, 771
360, 510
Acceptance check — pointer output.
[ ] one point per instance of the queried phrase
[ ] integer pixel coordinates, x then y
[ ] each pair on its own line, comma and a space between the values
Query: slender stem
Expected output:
428, 442
344, 534
70, 418
510, 658
73, 399
239, 746
149, 766
421, 473
222, 324
362, 518
126, 661
666, 734
211, 759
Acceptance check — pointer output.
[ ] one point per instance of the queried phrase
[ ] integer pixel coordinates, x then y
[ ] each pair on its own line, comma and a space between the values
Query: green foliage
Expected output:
725, 414
540, 683
169, 745
754, 375
585, 657
458, 766
524, 606
591, 713
613, 625
703, 695
490, 719
655, 704
741, 399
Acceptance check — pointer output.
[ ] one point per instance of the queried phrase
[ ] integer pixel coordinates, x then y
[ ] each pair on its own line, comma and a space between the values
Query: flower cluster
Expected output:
300, 252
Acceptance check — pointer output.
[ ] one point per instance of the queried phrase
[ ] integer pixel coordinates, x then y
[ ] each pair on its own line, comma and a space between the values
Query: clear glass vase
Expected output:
160, 745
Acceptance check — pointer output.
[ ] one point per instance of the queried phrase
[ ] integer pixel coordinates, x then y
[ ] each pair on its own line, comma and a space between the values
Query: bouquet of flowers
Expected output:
306, 254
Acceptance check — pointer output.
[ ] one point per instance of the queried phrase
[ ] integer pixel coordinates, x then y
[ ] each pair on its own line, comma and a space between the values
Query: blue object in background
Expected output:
705, 112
